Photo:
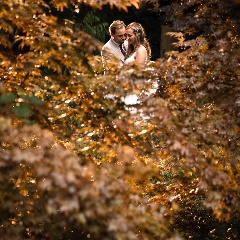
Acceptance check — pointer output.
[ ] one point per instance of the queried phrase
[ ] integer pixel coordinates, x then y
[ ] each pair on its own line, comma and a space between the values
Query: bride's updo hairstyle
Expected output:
140, 38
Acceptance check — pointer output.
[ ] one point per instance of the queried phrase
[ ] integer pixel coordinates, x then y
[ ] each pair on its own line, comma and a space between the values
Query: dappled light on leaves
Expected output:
140, 153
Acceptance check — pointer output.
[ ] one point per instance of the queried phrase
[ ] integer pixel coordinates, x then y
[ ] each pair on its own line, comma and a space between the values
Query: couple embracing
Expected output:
127, 44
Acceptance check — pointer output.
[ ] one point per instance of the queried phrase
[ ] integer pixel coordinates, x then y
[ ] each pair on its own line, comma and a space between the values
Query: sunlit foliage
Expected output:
78, 161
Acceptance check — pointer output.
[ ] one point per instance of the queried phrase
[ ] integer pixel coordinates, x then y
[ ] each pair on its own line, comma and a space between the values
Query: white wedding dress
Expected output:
132, 58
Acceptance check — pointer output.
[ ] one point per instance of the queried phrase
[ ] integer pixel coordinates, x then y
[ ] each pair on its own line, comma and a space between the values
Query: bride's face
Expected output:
131, 36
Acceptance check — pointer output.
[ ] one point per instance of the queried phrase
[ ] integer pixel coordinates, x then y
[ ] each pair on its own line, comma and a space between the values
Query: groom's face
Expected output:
120, 35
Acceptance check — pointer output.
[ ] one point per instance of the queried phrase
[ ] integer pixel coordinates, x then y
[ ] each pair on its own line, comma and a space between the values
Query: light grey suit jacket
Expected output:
111, 52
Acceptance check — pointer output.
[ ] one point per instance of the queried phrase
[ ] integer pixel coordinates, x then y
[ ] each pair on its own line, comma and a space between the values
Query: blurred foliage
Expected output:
78, 161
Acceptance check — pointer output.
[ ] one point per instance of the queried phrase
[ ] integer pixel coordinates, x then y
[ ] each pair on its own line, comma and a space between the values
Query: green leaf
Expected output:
7, 98
35, 100
32, 99
22, 111
20, 90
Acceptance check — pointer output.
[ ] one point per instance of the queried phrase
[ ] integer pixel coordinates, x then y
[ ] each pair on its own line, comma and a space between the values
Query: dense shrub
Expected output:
77, 161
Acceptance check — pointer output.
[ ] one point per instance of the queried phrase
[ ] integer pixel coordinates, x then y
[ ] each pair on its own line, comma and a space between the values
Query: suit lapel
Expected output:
116, 50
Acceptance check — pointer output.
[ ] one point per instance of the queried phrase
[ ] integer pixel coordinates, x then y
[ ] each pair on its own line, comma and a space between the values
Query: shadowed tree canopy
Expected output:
77, 161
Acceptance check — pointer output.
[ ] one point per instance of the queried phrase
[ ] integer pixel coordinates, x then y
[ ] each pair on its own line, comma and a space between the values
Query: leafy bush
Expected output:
77, 161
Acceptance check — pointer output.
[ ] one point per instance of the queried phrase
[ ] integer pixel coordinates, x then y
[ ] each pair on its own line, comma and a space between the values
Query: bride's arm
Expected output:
141, 54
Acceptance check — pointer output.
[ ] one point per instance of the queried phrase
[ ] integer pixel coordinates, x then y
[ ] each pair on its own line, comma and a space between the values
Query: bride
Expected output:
138, 47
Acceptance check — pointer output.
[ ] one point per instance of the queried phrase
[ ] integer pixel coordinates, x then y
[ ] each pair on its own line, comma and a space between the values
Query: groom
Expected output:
114, 51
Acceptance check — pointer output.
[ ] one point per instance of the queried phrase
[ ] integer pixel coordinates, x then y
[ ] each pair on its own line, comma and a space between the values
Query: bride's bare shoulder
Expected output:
141, 49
